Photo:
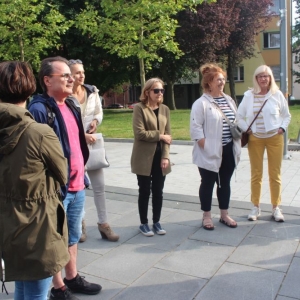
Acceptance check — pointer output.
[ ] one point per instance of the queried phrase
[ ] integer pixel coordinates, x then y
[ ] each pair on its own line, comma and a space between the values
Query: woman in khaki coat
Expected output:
33, 228
150, 154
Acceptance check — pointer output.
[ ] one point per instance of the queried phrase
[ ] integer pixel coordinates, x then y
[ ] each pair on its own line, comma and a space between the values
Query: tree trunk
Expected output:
170, 95
230, 68
21, 45
200, 86
142, 72
141, 60
170, 99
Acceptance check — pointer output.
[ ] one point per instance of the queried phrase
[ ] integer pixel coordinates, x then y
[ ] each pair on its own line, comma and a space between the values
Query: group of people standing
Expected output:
42, 165
263, 114
42, 170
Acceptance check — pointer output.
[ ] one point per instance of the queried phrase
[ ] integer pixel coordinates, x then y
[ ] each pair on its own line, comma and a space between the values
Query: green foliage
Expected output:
28, 28
137, 28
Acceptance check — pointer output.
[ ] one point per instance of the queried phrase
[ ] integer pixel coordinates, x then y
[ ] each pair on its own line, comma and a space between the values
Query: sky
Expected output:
294, 13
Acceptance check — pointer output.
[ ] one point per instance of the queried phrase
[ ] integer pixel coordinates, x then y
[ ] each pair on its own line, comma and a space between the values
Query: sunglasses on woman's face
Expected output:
156, 91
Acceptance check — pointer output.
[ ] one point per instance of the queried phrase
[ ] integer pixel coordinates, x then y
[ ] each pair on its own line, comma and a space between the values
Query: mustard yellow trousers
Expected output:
256, 149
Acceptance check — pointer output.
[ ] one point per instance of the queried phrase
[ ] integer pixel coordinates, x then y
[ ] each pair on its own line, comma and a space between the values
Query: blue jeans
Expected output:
74, 207
32, 290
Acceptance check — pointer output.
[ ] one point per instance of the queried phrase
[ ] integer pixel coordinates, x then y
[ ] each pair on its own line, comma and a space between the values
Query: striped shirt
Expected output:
260, 124
228, 112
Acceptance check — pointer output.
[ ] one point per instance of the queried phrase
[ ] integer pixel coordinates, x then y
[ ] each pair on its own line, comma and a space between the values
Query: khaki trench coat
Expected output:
146, 136
33, 228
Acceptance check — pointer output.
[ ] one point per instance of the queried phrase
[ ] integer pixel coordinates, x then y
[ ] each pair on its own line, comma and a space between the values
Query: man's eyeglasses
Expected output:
156, 91
74, 62
66, 76
263, 76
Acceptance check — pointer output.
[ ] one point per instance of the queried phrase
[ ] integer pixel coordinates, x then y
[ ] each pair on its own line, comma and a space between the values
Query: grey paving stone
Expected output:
95, 243
91, 219
189, 206
184, 217
294, 219
120, 207
85, 257
10, 286
277, 230
235, 282
290, 286
264, 252
127, 219
161, 284
286, 298
223, 234
196, 258
109, 289
176, 234
298, 251
125, 264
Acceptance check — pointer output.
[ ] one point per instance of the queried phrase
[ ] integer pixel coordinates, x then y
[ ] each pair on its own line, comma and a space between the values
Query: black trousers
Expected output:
209, 178
155, 183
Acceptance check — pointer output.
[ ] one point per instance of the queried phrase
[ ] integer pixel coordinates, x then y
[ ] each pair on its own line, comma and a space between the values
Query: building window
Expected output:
271, 40
238, 73
276, 72
275, 7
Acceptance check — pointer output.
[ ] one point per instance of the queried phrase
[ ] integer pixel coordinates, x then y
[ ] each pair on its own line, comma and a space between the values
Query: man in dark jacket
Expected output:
54, 107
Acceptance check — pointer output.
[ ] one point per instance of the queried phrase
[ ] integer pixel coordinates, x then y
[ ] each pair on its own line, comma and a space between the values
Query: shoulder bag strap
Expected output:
257, 115
226, 119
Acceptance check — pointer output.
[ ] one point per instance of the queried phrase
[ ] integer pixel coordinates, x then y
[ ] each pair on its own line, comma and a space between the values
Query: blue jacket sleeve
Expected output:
39, 112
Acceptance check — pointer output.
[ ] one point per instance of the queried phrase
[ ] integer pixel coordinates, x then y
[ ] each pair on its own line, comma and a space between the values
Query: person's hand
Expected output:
249, 131
93, 127
164, 163
201, 143
280, 131
166, 138
90, 138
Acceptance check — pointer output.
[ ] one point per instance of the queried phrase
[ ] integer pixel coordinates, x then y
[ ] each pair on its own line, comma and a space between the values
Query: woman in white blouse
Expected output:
266, 133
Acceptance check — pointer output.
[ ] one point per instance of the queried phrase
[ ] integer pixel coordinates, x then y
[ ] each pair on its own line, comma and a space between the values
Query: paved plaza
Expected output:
257, 260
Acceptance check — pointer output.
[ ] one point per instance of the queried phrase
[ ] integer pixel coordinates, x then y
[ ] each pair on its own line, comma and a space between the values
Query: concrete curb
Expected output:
291, 147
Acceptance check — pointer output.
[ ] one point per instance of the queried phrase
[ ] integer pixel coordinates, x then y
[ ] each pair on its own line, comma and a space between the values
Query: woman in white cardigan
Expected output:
92, 115
266, 133
216, 153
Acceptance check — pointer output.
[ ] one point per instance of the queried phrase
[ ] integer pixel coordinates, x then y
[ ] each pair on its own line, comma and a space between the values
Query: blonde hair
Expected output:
147, 87
273, 87
208, 72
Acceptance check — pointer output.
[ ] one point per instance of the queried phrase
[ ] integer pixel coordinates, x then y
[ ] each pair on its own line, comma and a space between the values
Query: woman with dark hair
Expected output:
150, 159
33, 231
266, 103
215, 151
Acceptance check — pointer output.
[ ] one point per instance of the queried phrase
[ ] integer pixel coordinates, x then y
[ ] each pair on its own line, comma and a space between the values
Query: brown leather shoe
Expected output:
83, 233
107, 233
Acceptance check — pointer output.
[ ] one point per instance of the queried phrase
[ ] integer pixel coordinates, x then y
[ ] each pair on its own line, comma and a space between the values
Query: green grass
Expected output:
117, 123
295, 122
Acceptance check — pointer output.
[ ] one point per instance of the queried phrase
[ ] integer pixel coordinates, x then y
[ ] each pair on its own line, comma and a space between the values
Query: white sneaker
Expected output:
277, 215
255, 212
